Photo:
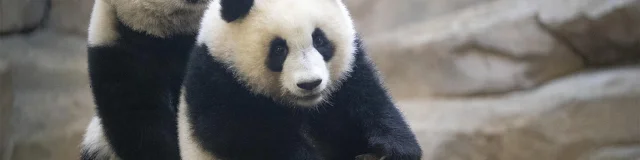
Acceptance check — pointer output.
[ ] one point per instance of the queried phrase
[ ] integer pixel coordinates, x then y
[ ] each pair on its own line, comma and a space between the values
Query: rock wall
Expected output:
52, 98
592, 115
378, 16
477, 79
507, 45
6, 107
45, 43
519, 79
22, 15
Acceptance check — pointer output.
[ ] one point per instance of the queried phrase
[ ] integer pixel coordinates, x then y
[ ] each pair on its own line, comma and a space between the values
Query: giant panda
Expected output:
137, 54
286, 80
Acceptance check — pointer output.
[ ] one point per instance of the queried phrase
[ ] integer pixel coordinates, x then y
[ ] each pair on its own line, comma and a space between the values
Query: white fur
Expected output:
303, 67
244, 44
189, 147
102, 29
95, 142
159, 18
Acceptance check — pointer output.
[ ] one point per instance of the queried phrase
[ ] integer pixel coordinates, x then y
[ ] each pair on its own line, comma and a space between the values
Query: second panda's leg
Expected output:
133, 95
94, 143
132, 77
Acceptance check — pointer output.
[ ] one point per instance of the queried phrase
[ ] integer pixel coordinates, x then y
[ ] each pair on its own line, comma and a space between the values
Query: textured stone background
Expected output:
477, 79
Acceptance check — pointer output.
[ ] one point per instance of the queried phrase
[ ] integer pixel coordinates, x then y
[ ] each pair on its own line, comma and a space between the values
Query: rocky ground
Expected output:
477, 79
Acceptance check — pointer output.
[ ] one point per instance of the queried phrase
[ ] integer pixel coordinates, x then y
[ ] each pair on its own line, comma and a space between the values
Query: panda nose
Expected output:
310, 85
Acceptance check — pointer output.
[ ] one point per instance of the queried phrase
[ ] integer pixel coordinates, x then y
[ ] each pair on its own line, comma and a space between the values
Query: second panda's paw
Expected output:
94, 144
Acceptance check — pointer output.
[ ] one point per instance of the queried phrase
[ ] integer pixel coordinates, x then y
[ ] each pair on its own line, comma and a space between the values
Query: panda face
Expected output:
296, 52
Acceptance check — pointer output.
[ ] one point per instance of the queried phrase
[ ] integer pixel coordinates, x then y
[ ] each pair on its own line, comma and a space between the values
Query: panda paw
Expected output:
368, 157
394, 151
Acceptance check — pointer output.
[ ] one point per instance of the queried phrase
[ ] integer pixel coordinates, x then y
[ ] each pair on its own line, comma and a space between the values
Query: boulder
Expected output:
53, 102
490, 48
622, 152
377, 16
6, 105
70, 16
592, 115
21, 15
604, 33
499, 47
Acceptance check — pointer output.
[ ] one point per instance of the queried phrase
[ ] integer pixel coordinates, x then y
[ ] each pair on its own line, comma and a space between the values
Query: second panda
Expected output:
136, 58
286, 80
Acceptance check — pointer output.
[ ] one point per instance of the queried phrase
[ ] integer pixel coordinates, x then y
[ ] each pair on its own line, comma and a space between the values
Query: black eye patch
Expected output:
278, 51
323, 44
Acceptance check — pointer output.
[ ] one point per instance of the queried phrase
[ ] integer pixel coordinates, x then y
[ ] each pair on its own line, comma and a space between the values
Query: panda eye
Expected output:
280, 50
318, 41
322, 44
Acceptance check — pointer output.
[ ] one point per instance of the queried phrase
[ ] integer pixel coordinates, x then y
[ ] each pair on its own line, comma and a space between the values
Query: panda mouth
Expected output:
310, 97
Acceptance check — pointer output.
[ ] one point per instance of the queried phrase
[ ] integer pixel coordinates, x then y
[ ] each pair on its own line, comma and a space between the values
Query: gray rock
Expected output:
566, 119
53, 102
604, 33
18, 15
621, 152
491, 48
504, 46
70, 16
377, 16
6, 107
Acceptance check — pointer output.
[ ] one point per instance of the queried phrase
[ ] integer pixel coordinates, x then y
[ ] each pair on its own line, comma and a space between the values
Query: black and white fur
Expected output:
137, 55
286, 80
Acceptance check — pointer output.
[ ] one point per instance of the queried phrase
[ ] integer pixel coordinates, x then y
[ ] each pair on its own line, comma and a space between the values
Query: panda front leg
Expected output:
384, 128
388, 136
362, 130
370, 112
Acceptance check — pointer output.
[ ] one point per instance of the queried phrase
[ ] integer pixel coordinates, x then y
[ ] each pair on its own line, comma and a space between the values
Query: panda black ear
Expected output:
235, 9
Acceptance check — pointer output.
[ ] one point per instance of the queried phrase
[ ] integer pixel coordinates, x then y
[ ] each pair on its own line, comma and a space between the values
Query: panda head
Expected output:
160, 18
296, 52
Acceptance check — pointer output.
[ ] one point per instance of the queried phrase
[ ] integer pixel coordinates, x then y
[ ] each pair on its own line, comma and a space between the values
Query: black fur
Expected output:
136, 85
192, 1
278, 51
235, 124
235, 9
323, 45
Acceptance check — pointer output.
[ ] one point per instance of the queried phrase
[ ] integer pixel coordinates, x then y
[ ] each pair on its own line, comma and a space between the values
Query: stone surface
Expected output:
6, 105
490, 48
376, 16
503, 46
590, 115
70, 16
53, 102
19, 15
623, 152
604, 32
